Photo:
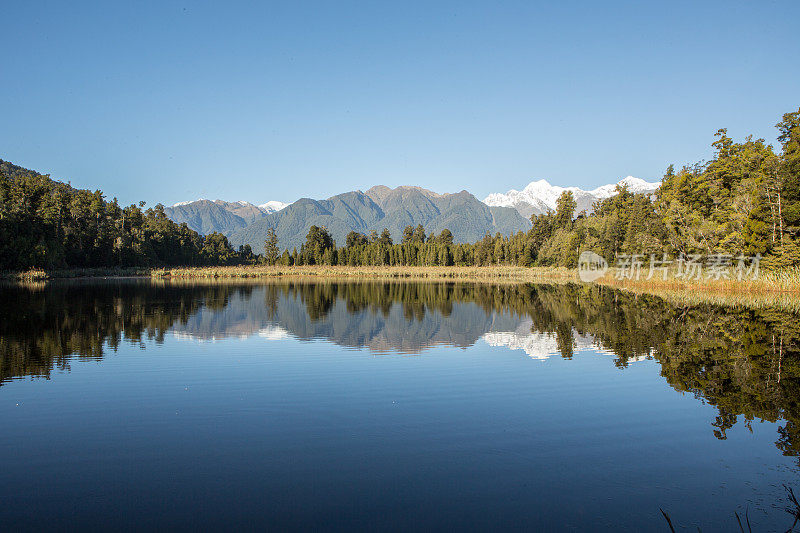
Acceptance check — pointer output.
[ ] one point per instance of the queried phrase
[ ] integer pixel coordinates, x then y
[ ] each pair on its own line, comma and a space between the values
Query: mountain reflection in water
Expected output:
742, 361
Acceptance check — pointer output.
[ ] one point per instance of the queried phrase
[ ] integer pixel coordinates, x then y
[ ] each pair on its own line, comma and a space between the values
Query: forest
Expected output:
745, 200
49, 224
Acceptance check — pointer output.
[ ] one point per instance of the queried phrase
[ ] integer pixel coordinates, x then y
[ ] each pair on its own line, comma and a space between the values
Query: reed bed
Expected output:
382, 272
31, 275
783, 301
786, 280
768, 281
773, 289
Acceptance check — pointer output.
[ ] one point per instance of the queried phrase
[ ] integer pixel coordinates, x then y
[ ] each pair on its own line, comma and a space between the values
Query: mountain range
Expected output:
380, 207
206, 216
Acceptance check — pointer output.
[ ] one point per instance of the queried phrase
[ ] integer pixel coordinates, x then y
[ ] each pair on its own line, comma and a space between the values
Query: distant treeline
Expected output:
49, 224
415, 249
746, 200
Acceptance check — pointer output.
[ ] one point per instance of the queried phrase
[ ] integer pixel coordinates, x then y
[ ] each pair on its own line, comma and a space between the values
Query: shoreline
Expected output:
778, 282
410, 273
784, 281
773, 289
255, 272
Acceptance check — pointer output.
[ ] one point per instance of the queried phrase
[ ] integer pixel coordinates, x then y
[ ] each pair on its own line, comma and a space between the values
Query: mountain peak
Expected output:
272, 206
637, 184
539, 196
187, 202
380, 194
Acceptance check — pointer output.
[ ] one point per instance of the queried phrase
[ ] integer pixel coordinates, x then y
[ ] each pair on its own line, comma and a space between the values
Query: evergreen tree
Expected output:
445, 237
419, 233
408, 235
356, 239
565, 209
385, 238
271, 250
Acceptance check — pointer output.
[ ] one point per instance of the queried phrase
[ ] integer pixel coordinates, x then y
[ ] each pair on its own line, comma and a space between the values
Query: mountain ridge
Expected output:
381, 207
208, 216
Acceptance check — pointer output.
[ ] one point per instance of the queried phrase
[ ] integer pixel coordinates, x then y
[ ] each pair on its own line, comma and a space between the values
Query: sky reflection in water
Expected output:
398, 405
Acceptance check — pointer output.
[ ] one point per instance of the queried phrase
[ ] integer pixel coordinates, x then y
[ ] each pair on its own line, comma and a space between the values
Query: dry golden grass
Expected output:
33, 274
772, 289
778, 290
493, 273
787, 281
781, 300
781, 281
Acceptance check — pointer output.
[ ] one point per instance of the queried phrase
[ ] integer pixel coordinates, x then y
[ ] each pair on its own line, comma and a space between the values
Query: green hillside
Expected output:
380, 207
205, 216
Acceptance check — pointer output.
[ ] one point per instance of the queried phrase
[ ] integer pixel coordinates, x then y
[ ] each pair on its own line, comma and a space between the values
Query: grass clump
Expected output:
33, 274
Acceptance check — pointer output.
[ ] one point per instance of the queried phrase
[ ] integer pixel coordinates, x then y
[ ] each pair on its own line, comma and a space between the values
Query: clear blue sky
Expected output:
174, 101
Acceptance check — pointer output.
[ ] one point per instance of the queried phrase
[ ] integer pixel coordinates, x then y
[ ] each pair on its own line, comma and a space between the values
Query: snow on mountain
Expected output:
539, 196
272, 206
635, 185
187, 202
268, 208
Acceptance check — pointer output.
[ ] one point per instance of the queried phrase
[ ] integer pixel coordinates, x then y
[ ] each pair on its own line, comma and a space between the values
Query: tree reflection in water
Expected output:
743, 361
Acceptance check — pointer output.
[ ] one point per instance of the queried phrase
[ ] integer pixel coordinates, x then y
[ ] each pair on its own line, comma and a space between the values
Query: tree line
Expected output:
415, 249
49, 224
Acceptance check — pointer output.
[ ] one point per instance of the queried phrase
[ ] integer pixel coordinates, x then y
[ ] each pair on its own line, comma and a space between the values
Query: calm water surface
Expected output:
135, 404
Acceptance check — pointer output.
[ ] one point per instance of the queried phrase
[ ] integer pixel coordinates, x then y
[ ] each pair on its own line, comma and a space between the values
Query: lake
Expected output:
137, 404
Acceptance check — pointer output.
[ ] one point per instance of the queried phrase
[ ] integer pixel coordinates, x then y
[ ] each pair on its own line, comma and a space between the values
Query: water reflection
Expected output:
743, 361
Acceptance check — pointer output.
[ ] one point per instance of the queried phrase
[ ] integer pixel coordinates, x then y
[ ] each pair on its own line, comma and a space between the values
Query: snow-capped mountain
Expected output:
267, 208
272, 206
206, 216
538, 197
187, 202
